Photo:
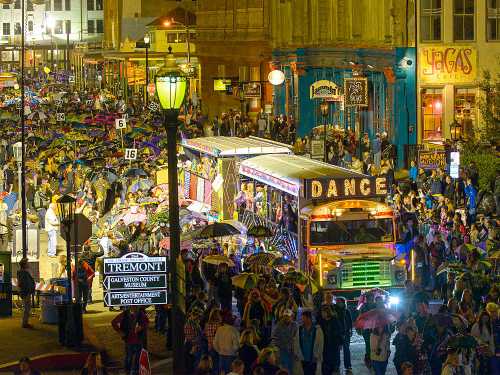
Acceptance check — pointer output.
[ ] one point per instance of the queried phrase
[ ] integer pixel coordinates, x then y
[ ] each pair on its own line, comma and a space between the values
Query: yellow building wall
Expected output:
339, 23
488, 57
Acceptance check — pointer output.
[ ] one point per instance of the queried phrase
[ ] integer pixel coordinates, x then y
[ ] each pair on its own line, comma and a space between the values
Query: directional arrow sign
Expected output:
135, 282
135, 298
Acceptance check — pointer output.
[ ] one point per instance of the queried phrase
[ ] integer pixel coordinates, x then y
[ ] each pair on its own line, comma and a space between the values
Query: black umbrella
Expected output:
260, 231
218, 230
135, 172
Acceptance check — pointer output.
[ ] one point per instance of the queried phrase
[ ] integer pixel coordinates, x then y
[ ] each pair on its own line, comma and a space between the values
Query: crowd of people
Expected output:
275, 321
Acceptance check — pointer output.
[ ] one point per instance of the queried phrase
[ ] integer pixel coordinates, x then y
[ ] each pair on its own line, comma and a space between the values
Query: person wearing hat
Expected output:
283, 337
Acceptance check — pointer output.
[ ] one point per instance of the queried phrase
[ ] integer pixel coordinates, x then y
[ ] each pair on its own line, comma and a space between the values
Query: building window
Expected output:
30, 26
465, 110
58, 5
67, 4
432, 114
17, 4
6, 29
29, 6
5, 6
17, 28
98, 4
90, 4
99, 26
171, 37
463, 19
181, 38
192, 35
90, 27
68, 27
59, 27
493, 21
431, 18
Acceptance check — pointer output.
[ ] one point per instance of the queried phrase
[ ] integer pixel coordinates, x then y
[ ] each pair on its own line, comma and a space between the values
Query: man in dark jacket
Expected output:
332, 332
132, 324
26, 286
346, 321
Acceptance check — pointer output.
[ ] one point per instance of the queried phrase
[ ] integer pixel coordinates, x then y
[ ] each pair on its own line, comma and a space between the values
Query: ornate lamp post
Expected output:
171, 87
66, 206
146, 45
325, 111
455, 131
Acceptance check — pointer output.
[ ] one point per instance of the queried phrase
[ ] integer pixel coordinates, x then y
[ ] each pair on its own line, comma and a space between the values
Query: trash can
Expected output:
48, 308
62, 282
70, 324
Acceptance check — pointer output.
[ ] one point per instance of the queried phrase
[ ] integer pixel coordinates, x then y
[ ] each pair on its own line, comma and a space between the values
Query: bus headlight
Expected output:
393, 301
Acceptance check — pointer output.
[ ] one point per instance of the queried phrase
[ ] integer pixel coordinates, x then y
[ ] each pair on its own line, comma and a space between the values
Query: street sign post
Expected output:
135, 279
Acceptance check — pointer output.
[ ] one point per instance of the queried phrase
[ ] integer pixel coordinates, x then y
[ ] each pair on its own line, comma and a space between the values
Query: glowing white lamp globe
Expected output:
276, 77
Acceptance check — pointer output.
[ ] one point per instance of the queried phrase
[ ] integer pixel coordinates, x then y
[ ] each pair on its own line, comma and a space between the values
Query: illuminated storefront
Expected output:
447, 76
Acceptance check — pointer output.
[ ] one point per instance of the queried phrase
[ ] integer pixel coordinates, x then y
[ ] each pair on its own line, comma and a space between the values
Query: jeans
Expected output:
309, 368
52, 244
26, 309
225, 362
347, 355
286, 360
379, 367
132, 353
83, 294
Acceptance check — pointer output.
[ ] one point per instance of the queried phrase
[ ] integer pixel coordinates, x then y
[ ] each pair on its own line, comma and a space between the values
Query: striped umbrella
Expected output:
260, 259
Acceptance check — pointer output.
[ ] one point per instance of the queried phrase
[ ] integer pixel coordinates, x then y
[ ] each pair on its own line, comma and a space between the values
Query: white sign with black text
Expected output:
130, 153
120, 123
60, 117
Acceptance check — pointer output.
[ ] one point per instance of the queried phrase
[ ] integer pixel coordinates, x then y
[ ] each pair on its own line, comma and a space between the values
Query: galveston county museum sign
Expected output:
135, 279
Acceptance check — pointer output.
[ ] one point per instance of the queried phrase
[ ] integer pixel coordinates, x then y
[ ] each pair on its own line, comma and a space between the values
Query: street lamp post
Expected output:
325, 111
66, 206
171, 87
146, 44
17, 149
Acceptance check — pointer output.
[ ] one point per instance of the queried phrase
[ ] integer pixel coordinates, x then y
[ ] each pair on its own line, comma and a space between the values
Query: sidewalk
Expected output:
99, 336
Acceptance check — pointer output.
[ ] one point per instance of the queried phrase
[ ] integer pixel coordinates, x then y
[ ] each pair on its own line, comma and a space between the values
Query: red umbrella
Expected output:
375, 318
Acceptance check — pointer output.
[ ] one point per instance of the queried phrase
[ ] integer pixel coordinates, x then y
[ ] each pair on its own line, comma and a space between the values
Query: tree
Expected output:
489, 106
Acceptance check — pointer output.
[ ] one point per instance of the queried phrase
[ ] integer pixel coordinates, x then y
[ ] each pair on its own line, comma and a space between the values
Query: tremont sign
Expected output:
135, 279
345, 188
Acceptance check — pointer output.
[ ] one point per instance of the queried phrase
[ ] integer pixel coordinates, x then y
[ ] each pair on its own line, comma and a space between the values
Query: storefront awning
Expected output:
287, 172
234, 146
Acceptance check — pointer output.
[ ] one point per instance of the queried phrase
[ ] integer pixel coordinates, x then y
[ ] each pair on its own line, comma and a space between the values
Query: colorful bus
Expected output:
351, 245
346, 234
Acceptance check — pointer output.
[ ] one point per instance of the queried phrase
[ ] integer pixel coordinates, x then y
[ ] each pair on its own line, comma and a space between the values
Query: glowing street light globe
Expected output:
276, 77
171, 85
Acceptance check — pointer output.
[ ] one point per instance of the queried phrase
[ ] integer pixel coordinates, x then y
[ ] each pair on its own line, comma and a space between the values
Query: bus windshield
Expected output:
351, 232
